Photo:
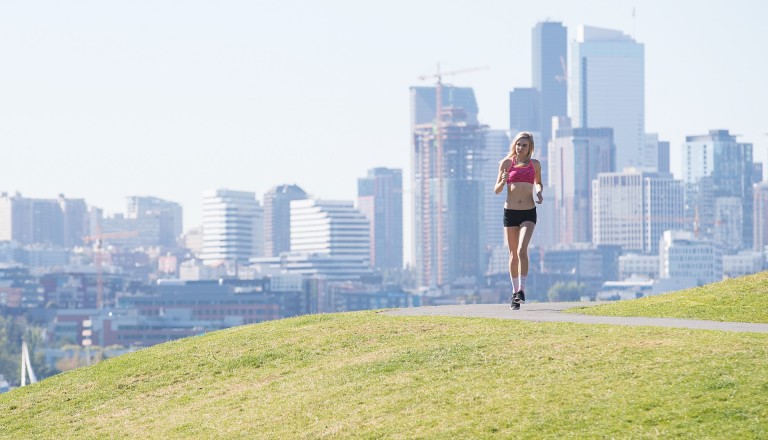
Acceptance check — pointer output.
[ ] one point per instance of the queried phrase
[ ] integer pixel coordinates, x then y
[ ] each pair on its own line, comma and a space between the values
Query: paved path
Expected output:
551, 312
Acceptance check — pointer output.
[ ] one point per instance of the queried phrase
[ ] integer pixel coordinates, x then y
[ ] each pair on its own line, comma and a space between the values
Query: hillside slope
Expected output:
743, 299
369, 375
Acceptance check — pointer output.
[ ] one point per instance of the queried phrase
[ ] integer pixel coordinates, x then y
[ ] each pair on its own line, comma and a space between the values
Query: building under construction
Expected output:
448, 194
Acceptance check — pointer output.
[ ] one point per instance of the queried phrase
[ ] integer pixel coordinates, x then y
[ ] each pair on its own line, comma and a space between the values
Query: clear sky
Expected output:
105, 99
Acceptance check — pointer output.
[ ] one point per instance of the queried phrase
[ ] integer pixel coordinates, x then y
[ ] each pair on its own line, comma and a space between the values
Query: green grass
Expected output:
369, 375
743, 299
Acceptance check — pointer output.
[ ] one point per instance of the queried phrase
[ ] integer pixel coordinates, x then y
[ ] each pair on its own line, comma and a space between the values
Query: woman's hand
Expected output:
539, 197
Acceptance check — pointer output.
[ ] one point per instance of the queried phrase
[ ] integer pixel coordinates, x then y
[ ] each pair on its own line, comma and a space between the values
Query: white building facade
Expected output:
633, 209
233, 227
329, 227
689, 261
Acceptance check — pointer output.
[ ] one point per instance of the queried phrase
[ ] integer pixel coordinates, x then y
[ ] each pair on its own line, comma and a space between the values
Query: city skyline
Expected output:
169, 99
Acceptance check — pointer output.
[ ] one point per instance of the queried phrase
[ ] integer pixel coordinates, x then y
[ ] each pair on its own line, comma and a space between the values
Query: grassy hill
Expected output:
371, 375
743, 299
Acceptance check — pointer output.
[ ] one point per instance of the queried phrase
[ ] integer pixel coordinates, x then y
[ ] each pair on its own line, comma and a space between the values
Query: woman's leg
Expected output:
513, 237
525, 234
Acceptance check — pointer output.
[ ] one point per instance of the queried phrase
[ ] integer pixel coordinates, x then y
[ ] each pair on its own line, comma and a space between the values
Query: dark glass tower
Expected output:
550, 76
380, 198
277, 218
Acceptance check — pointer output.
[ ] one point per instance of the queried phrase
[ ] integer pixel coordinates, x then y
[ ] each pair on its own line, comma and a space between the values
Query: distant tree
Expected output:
405, 278
11, 331
570, 291
10, 350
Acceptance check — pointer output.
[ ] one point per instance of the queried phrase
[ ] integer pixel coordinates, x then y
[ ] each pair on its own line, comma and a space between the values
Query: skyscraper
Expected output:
760, 217
524, 110
716, 166
277, 218
232, 227
608, 89
168, 216
380, 199
329, 227
496, 147
633, 208
57, 222
424, 102
577, 156
447, 191
550, 75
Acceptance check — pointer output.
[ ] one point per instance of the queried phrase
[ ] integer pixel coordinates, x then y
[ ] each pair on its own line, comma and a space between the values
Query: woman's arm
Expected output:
539, 187
502, 179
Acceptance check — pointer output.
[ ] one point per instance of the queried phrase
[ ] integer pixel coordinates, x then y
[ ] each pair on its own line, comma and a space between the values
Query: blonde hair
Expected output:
513, 151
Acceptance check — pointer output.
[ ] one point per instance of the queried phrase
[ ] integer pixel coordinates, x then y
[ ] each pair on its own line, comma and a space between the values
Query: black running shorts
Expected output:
513, 218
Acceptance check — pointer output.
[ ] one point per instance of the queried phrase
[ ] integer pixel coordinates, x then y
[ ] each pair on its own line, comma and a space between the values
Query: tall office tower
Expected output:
663, 158
75, 217
447, 189
757, 172
715, 166
655, 154
56, 222
550, 74
760, 217
608, 89
576, 157
233, 227
164, 215
633, 208
277, 218
524, 110
496, 148
380, 199
329, 227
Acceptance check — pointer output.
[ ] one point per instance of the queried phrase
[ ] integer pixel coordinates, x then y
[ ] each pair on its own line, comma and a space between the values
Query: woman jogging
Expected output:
521, 175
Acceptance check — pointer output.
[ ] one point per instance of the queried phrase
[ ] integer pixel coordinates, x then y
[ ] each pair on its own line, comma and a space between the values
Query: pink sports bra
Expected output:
525, 174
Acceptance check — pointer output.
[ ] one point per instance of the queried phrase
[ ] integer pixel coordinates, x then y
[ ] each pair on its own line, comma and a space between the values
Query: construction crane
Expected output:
564, 76
98, 239
438, 76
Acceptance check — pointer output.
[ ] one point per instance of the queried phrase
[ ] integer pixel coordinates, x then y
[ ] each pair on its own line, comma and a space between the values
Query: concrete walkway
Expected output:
551, 312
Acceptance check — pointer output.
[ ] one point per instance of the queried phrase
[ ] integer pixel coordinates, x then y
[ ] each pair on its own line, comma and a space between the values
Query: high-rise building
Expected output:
760, 217
757, 172
380, 199
232, 227
277, 218
496, 148
716, 166
608, 89
424, 103
655, 155
56, 222
75, 216
447, 191
329, 227
576, 157
633, 208
550, 75
167, 215
524, 110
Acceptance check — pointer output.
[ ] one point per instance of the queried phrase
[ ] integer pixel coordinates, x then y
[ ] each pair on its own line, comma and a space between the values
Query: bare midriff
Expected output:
519, 196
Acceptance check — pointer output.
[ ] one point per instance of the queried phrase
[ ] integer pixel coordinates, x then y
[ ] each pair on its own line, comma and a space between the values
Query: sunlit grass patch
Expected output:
372, 375
743, 299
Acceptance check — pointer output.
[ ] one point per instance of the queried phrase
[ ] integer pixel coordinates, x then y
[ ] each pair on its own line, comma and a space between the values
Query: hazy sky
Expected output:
105, 99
